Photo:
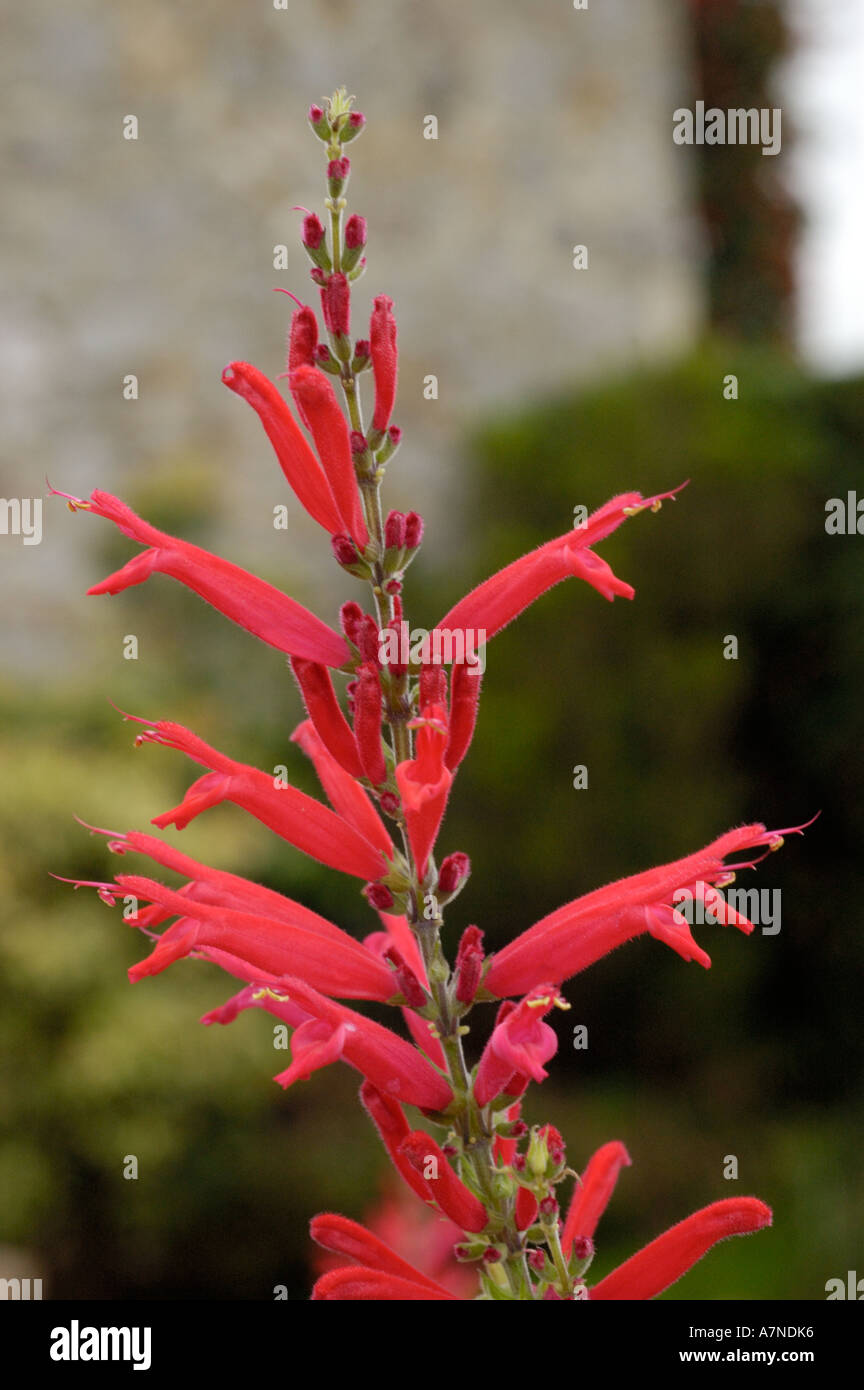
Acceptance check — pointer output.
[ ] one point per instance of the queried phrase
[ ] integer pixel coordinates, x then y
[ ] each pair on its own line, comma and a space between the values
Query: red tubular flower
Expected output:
582, 931
345, 1237
389, 1119
464, 696
497, 601
324, 710
220, 888
336, 304
394, 1067
656, 1266
453, 1197
329, 429
520, 1043
297, 461
296, 817
367, 724
424, 784
358, 1284
592, 1193
346, 796
251, 603
382, 346
335, 963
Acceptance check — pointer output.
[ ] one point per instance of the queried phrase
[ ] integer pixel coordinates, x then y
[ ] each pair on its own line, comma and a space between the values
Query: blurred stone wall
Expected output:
155, 256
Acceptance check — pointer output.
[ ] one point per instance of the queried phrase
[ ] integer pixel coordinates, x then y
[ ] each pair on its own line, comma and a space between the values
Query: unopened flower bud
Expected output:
313, 231
336, 305
325, 360
353, 126
518, 1164
582, 1248
344, 549
409, 986
389, 803
368, 640
537, 1260
338, 171
378, 895
548, 1206
319, 122
361, 357
358, 442
394, 531
413, 530
355, 241
469, 964
491, 1256
393, 586
453, 872
350, 616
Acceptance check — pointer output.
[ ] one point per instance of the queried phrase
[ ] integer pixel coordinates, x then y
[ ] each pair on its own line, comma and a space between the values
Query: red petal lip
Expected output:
358, 1284
345, 1237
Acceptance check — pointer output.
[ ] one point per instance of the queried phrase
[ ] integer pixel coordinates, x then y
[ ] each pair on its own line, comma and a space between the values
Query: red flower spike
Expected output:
336, 964
296, 817
345, 795
297, 461
520, 1043
388, 1118
329, 430
251, 603
500, 599
424, 784
336, 304
464, 696
382, 347
345, 1237
652, 1269
449, 1191
323, 709
356, 1284
574, 936
368, 711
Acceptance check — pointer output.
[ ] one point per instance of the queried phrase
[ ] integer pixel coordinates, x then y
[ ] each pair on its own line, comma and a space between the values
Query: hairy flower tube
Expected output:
386, 734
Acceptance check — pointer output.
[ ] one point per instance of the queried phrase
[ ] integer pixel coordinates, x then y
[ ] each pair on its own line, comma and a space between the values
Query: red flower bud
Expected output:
323, 709
433, 686
491, 1256
350, 617
464, 695
389, 803
336, 304
453, 1197
394, 531
302, 339
382, 339
537, 1260
454, 870
413, 530
409, 986
548, 1207
344, 550
469, 964
358, 442
583, 1248
378, 895
355, 232
368, 640
367, 724
313, 231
